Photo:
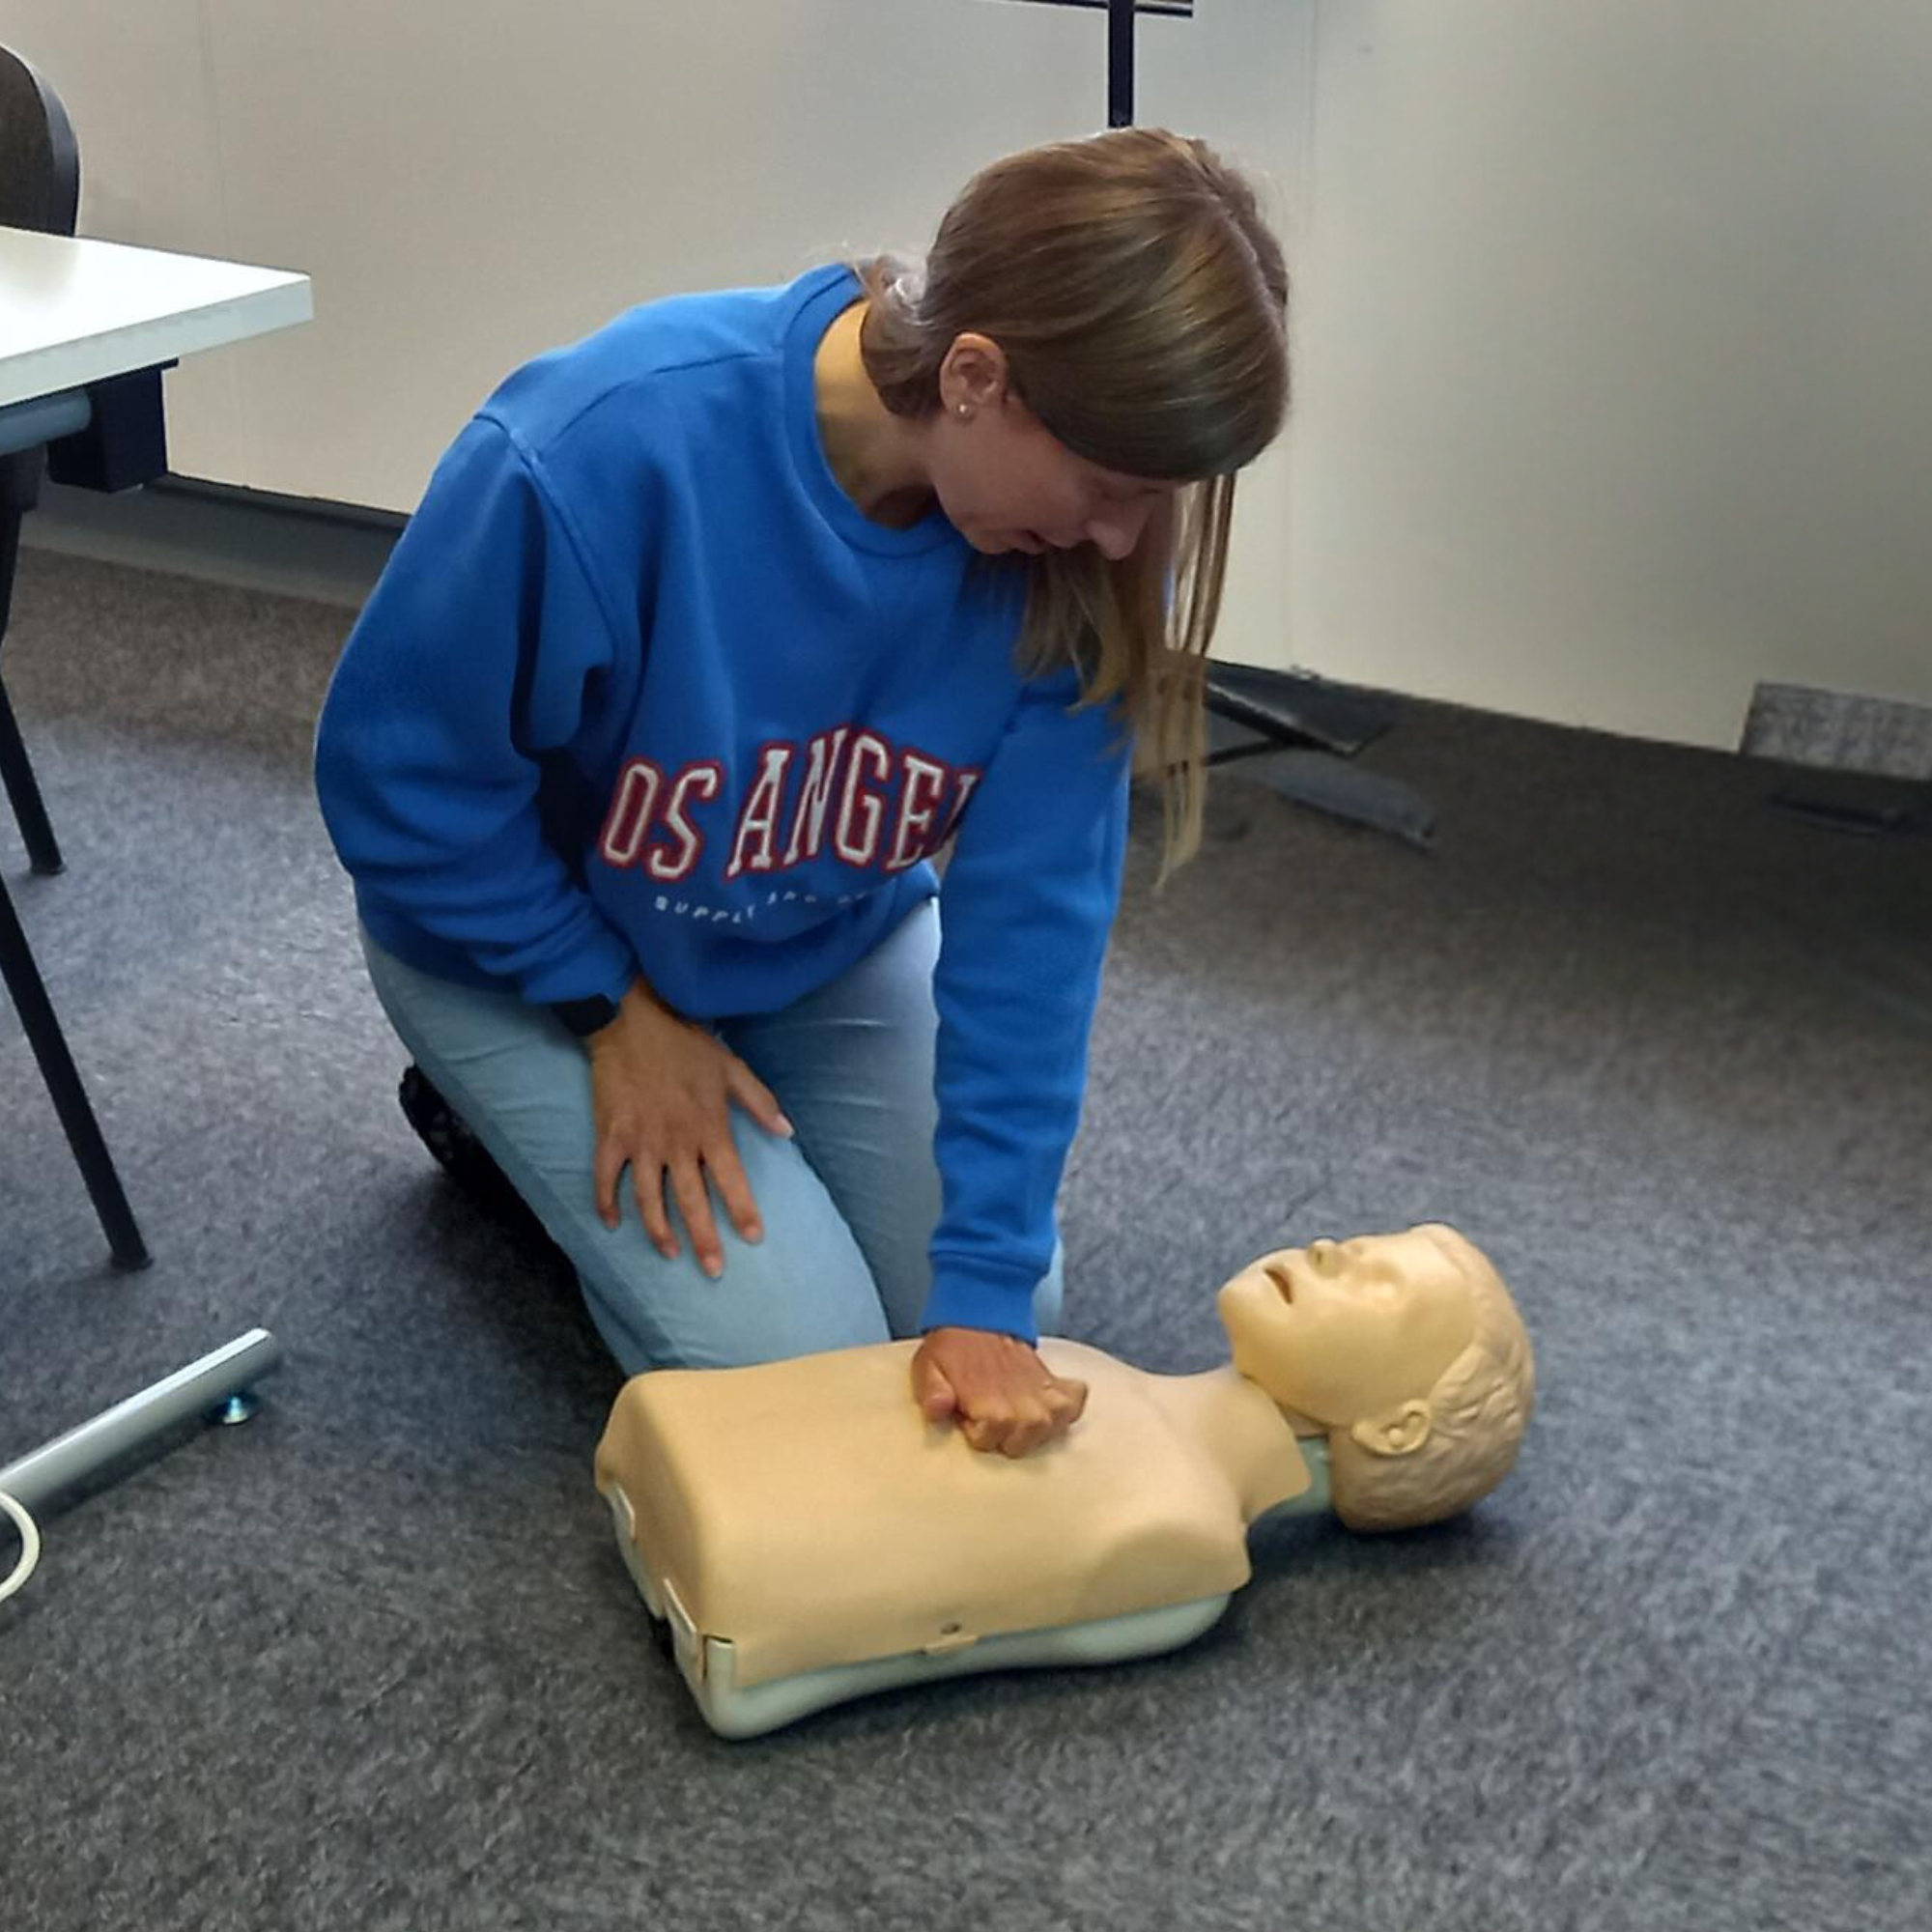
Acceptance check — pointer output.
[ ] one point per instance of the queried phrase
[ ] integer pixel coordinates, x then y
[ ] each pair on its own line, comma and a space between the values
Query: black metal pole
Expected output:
1120, 63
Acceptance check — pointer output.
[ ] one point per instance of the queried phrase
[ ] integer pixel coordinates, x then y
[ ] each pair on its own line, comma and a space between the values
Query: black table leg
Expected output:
70, 1098
18, 775
16, 772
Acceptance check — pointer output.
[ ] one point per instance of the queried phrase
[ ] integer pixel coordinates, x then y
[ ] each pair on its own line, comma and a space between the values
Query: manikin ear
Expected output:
1400, 1431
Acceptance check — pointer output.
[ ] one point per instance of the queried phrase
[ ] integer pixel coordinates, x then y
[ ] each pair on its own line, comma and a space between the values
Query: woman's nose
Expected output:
1116, 534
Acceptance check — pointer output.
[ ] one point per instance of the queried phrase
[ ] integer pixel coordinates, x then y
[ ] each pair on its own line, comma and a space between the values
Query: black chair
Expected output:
40, 190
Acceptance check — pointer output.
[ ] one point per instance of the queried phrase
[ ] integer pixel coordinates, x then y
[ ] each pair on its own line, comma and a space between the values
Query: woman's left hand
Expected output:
1001, 1393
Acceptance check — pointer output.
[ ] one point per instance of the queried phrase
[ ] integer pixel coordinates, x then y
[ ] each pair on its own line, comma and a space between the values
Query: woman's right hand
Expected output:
661, 1093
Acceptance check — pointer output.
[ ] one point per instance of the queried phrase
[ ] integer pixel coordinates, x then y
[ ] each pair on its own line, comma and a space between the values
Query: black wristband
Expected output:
584, 1017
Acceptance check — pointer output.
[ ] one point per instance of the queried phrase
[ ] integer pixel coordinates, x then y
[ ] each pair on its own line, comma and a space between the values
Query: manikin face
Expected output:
1005, 483
1350, 1331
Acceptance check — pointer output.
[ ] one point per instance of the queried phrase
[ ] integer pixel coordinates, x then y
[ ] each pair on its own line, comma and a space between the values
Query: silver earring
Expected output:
964, 411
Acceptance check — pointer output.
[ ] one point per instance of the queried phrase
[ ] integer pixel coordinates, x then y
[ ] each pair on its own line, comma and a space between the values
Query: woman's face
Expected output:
1006, 483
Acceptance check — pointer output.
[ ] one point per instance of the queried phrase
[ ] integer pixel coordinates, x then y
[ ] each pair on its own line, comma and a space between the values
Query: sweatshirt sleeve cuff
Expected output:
604, 964
979, 1295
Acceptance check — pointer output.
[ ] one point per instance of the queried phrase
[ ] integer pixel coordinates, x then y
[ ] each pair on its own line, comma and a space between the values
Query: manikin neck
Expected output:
1275, 1461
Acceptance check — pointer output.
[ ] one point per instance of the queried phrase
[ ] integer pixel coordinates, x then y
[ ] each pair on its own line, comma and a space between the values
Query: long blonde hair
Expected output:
1142, 304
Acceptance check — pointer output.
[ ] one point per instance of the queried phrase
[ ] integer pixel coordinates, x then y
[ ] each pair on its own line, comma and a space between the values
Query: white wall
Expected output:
1616, 355
1614, 378
468, 181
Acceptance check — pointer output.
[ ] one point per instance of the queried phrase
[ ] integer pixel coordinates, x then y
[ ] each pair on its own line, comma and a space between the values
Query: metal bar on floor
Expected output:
214, 1386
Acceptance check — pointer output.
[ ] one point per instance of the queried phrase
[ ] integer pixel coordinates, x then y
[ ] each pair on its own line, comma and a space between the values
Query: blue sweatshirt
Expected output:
640, 689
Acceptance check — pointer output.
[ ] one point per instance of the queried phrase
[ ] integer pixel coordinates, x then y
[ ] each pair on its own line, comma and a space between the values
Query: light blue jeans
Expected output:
848, 1206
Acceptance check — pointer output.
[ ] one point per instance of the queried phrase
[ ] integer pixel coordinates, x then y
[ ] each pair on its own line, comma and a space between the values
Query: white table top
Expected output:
78, 311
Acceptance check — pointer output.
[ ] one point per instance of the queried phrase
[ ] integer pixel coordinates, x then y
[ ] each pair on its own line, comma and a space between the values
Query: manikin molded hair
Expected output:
1479, 1408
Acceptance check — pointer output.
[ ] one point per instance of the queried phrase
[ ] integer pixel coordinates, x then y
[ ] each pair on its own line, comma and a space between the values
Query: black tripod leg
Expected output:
70, 1098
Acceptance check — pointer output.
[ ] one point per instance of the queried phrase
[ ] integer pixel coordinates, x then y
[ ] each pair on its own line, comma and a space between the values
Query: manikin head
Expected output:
1406, 1350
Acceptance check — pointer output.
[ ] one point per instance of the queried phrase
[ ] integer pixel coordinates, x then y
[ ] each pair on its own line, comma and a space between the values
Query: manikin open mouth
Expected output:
1277, 1272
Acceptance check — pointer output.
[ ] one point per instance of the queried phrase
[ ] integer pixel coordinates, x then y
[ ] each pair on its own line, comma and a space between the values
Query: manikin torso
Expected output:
817, 1519
808, 1536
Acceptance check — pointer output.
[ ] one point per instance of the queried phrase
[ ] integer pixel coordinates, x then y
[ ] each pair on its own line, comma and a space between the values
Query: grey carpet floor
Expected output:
371, 1660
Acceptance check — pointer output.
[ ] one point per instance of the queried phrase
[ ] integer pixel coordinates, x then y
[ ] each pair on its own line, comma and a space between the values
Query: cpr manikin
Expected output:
809, 1537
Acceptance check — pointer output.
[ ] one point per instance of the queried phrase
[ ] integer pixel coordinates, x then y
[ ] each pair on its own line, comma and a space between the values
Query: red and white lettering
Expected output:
861, 814
965, 781
650, 823
702, 780
759, 823
807, 824
919, 792
629, 818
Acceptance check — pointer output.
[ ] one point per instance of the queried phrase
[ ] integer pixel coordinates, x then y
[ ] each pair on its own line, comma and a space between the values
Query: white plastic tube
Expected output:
30, 1546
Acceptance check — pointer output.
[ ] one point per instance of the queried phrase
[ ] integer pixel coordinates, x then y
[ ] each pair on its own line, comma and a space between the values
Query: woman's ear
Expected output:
1401, 1431
974, 373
